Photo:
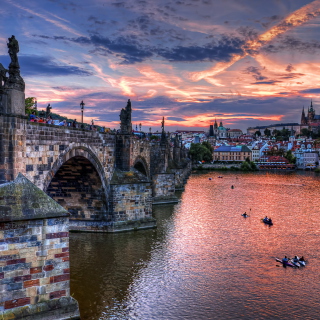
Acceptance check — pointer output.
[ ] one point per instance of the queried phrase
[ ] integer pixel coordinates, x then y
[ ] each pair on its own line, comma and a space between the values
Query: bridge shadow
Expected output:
77, 187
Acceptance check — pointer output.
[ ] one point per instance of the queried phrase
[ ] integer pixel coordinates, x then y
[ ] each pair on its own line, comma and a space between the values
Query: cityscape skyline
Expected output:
189, 61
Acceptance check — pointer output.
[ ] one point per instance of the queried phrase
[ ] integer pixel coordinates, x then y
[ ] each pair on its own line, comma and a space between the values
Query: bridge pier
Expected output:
34, 255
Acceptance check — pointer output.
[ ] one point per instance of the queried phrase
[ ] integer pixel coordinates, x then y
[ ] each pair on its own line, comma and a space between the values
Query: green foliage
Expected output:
200, 152
281, 135
207, 145
290, 157
267, 132
258, 133
248, 166
305, 132
30, 105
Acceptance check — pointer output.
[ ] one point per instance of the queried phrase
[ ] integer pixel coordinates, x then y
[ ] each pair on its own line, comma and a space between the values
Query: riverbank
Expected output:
237, 167
217, 166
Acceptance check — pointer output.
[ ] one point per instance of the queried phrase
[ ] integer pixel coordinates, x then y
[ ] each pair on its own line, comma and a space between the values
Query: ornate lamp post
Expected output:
82, 104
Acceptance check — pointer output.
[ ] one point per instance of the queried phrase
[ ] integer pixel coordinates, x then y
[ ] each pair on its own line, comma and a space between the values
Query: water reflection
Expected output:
205, 261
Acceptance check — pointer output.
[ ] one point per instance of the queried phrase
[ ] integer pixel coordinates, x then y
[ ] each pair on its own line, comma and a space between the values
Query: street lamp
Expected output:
82, 104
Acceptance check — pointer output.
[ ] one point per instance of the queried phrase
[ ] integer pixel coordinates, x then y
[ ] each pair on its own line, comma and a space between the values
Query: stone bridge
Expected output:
107, 181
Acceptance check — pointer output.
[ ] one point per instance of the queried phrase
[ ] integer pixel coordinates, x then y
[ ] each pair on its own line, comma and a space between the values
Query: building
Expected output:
294, 127
234, 133
274, 163
220, 132
232, 153
257, 150
310, 160
310, 119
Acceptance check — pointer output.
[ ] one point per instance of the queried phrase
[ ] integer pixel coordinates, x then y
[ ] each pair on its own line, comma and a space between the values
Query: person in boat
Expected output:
301, 259
285, 259
270, 220
265, 219
244, 214
295, 259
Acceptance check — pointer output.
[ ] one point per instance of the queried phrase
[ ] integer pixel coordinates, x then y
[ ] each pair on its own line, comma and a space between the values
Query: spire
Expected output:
215, 124
311, 107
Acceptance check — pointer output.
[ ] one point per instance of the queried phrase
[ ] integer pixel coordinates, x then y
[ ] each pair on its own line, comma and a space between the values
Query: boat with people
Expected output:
299, 261
285, 262
245, 215
294, 262
267, 220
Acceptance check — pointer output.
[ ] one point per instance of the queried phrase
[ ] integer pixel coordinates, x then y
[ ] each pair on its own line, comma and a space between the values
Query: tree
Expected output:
258, 133
30, 105
290, 157
267, 132
200, 152
276, 132
207, 145
305, 132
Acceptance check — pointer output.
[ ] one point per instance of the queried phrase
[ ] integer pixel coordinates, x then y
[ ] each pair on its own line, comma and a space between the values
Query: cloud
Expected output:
221, 50
45, 66
175, 119
255, 72
131, 51
314, 90
267, 82
290, 68
291, 43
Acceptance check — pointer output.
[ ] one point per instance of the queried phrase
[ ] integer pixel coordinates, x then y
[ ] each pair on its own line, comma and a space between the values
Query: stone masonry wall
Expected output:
131, 201
49, 146
181, 176
12, 146
34, 264
163, 187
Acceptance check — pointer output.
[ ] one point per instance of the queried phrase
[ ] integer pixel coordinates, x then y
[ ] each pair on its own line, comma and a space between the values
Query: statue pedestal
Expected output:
12, 101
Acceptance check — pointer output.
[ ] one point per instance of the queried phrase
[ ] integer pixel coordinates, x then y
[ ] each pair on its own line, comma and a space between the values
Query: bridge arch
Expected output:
77, 181
141, 165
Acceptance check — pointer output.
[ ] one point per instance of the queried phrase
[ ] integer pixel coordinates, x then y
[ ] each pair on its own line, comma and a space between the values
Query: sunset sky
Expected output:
242, 62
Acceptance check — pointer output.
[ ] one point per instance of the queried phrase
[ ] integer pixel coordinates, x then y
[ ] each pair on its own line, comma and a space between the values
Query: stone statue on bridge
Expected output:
13, 47
125, 119
15, 81
48, 110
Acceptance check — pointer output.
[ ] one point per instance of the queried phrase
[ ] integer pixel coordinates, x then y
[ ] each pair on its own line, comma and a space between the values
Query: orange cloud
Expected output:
295, 19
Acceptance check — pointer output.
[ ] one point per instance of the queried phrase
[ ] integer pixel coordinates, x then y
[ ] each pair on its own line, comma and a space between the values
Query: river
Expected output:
206, 261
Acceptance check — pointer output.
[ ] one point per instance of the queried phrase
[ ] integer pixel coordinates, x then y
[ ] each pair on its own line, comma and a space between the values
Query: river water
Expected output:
206, 261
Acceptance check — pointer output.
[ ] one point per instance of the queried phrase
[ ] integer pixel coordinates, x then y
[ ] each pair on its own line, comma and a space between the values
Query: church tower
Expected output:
303, 117
311, 113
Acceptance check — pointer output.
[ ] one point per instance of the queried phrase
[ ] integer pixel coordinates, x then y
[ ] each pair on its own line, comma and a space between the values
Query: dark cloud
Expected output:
314, 90
222, 50
131, 51
46, 66
292, 44
248, 33
255, 72
175, 119
267, 82
95, 20
119, 4
289, 68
